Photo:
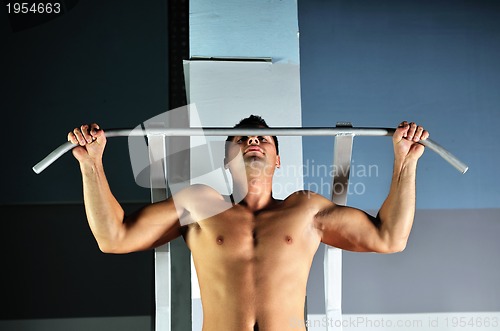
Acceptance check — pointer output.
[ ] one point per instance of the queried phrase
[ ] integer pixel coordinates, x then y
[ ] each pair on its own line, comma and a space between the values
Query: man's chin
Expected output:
254, 158
257, 166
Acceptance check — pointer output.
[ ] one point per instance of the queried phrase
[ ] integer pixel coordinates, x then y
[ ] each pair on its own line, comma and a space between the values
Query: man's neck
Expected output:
255, 195
257, 203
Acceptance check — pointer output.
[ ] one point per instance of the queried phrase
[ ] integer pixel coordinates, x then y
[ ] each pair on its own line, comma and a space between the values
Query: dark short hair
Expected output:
254, 121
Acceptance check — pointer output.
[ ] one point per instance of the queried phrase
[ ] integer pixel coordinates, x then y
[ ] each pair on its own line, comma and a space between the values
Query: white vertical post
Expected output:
333, 256
158, 181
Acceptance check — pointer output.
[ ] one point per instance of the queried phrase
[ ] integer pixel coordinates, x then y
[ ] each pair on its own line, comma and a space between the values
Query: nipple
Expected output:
220, 240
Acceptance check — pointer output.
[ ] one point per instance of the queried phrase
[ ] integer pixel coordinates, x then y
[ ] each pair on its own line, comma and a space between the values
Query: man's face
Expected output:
258, 152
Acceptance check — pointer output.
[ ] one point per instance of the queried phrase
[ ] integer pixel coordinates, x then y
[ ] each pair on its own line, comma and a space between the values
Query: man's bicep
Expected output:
349, 228
152, 226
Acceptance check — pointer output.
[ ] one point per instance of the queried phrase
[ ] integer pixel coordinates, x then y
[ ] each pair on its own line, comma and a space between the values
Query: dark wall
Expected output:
103, 62
100, 61
52, 268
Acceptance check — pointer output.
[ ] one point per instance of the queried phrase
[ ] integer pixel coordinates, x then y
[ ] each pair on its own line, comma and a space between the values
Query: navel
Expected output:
289, 240
220, 240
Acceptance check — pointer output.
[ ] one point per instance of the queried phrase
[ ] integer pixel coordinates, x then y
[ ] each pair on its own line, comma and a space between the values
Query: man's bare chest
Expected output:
241, 233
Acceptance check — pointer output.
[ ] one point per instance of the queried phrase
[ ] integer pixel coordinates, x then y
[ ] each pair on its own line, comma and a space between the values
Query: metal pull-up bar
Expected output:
282, 131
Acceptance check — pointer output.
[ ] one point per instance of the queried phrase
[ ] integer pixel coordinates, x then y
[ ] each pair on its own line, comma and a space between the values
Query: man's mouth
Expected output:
253, 149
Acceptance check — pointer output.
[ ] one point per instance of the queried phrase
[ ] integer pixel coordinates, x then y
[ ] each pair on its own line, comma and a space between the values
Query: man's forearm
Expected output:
104, 213
398, 210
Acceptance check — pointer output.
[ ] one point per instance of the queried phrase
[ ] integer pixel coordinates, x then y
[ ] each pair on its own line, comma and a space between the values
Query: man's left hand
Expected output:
406, 139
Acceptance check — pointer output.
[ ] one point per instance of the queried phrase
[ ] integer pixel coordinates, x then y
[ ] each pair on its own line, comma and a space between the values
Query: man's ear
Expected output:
278, 161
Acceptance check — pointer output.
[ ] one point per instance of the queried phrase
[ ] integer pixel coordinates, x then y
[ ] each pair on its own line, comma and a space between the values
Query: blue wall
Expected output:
376, 63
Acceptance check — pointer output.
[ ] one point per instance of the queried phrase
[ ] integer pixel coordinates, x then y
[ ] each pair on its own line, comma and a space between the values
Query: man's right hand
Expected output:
91, 140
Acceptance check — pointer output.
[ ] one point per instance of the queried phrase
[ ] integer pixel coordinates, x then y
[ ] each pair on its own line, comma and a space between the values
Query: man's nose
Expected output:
253, 140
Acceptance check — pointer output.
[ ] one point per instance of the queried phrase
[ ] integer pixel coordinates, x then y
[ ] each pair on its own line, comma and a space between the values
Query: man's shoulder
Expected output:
305, 197
201, 202
305, 201
197, 192
198, 189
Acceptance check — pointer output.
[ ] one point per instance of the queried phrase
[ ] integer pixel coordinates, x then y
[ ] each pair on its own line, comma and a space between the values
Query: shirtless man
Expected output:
252, 258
